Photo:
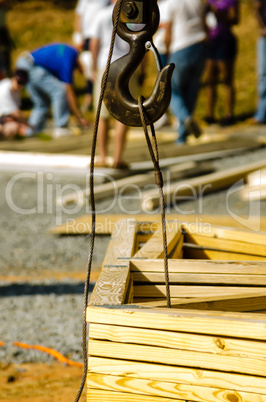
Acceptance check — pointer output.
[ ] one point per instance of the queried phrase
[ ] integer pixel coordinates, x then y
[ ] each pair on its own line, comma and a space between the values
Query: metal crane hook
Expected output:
117, 98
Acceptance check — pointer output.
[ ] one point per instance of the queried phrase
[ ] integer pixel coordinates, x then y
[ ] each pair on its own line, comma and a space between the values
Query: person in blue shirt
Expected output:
50, 69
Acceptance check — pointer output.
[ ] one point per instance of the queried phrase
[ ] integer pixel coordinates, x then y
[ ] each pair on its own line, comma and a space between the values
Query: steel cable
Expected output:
154, 152
92, 202
155, 159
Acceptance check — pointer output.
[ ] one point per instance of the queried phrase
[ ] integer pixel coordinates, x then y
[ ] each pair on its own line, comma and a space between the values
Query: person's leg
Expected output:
120, 139
227, 71
37, 92
40, 104
197, 62
261, 111
60, 108
179, 83
211, 88
103, 140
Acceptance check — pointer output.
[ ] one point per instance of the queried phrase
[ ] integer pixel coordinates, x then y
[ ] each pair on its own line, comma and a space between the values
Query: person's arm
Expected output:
77, 35
258, 13
72, 102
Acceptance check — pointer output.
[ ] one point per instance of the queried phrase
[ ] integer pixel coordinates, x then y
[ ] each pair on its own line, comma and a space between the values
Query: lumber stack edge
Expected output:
209, 347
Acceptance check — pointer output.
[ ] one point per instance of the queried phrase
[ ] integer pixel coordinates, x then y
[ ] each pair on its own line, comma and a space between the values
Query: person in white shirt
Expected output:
100, 34
185, 40
85, 14
12, 121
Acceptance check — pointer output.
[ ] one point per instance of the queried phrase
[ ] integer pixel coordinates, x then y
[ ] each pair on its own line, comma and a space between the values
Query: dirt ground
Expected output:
37, 382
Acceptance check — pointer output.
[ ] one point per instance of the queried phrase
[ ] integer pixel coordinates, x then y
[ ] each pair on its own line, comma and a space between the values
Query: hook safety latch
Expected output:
117, 98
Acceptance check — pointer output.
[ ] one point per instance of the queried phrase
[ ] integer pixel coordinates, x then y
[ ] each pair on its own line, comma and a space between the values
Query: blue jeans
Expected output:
261, 111
44, 89
189, 65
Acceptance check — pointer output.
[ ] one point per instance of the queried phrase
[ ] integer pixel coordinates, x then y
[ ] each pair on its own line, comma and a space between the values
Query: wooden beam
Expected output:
112, 284
154, 247
96, 395
171, 341
177, 357
200, 267
201, 252
238, 303
207, 183
235, 236
170, 390
215, 279
191, 291
241, 325
184, 375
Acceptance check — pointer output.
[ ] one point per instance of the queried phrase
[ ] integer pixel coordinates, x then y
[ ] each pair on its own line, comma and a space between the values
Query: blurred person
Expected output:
159, 42
221, 55
100, 34
260, 10
12, 122
85, 13
50, 70
185, 41
6, 42
159, 37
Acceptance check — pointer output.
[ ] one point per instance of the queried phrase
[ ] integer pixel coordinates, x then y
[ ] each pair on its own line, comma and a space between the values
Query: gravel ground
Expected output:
41, 285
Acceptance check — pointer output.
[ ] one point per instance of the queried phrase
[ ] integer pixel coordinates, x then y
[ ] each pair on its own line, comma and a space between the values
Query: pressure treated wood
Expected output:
185, 375
209, 183
128, 184
167, 389
248, 246
113, 282
94, 395
240, 302
203, 349
200, 252
248, 325
191, 290
200, 267
154, 247
205, 344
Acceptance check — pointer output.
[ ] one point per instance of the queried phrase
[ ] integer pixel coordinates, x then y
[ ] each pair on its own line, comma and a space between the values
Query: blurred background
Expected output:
35, 23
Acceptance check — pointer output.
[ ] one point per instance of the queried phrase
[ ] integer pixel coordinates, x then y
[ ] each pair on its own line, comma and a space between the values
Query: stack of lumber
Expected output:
177, 354
210, 346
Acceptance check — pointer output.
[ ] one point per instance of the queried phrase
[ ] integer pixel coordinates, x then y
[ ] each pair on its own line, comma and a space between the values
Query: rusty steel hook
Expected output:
118, 98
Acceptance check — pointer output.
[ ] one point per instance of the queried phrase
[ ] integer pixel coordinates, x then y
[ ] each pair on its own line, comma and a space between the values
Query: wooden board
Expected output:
96, 395
200, 267
112, 284
191, 291
209, 183
154, 247
196, 355
185, 375
240, 302
169, 341
242, 325
132, 181
170, 390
